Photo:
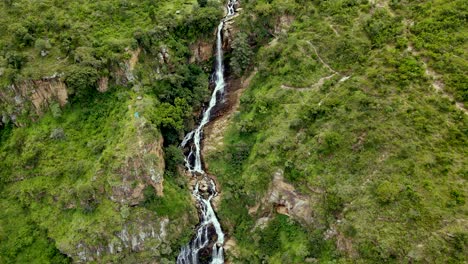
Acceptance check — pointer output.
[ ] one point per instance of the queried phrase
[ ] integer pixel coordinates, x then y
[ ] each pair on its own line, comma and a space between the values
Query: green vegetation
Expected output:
342, 105
384, 150
241, 54
84, 178
59, 173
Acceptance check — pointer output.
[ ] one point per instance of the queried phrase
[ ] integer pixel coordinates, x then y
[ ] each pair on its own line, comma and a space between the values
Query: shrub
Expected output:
81, 80
382, 28
202, 3
42, 44
173, 157
241, 54
387, 192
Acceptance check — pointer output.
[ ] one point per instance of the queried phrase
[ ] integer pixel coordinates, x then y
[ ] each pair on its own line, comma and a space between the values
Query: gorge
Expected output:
205, 188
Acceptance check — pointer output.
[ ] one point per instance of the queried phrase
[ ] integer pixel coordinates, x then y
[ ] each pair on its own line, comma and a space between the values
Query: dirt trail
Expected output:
321, 81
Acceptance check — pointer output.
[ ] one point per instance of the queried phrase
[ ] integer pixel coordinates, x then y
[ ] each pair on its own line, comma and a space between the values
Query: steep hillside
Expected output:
343, 137
94, 97
350, 143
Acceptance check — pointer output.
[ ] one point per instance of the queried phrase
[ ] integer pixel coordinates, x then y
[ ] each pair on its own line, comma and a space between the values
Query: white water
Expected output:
208, 221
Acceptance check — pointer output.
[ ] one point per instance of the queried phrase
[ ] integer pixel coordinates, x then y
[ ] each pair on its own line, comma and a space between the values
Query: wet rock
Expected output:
203, 187
229, 32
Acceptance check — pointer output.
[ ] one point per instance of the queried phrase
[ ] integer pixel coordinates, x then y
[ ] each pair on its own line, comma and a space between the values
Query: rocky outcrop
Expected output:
146, 233
283, 198
137, 232
201, 51
123, 74
36, 96
143, 166
42, 92
288, 201
229, 32
32, 95
283, 23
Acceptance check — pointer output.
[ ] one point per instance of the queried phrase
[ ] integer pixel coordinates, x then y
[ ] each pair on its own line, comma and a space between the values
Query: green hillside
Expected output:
349, 143
342, 106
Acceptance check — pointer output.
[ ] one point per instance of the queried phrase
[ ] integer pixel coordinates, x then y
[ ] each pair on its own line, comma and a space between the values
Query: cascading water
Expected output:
209, 232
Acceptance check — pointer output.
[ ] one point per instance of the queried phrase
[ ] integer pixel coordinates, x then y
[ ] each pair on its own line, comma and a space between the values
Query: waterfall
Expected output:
209, 232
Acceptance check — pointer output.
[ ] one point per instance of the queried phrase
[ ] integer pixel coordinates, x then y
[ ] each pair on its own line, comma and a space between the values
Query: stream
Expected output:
207, 244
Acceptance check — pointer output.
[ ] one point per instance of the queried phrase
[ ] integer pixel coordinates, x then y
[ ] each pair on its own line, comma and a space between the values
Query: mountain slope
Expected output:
343, 108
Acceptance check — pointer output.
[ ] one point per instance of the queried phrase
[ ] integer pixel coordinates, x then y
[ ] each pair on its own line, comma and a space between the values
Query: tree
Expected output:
202, 3
241, 54
81, 81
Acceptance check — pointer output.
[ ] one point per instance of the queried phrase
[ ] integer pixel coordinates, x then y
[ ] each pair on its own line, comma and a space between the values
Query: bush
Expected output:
382, 28
241, 54
387, 192
329, 141
42, 44
202, 3
81, 80
173, 157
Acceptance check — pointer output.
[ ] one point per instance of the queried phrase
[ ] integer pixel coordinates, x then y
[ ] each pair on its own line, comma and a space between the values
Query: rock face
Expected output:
31, 95
288, 201
229, 32
143, 166
201, 51
41, 93
146, 233
38, 95
283, 23
137, 232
